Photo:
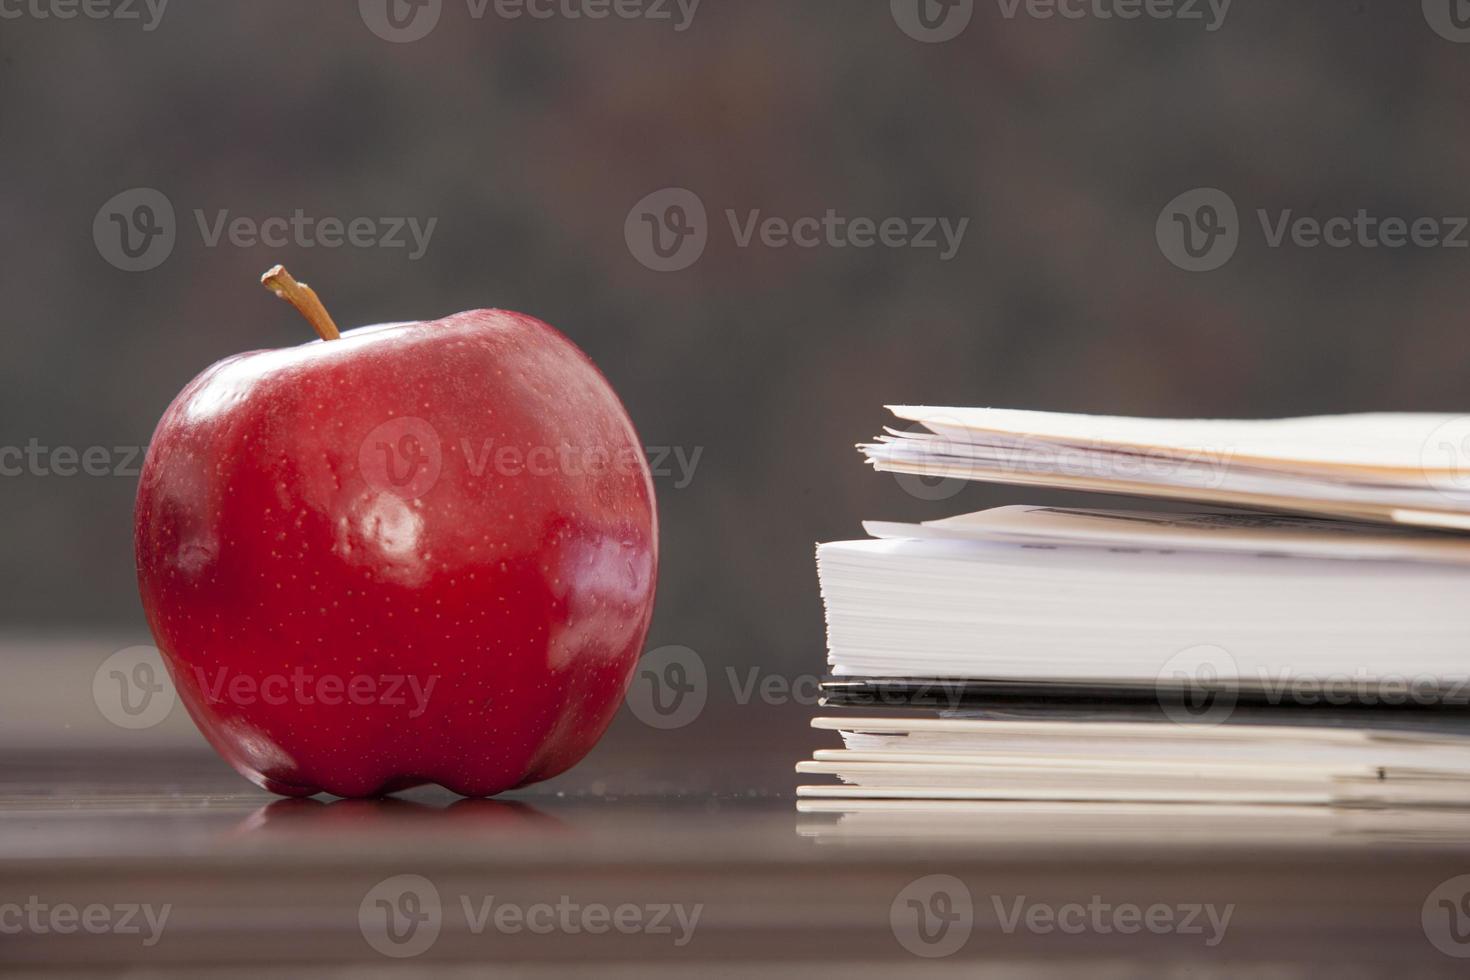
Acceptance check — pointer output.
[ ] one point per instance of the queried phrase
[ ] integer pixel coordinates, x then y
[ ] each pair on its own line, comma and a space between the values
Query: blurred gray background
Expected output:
530, 139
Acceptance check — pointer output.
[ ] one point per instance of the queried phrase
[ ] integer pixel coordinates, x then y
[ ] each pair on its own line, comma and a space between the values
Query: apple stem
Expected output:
304, 298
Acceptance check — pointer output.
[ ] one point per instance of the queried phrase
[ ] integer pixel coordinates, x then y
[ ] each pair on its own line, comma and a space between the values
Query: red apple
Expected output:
410, 553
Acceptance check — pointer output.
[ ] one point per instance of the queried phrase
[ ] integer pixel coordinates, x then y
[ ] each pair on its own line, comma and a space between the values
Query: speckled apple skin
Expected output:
285, 537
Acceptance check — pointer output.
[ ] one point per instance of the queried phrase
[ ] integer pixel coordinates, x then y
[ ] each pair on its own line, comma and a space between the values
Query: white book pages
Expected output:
1407, 468
1117, 792
1194, 531
899, 758
1204, 473
1049, 824
1428, 514
1395, 793
982, 609
1379, 441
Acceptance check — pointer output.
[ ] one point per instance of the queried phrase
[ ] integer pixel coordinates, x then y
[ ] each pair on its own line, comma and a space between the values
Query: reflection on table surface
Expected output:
255, 881
1088, 824
191, 806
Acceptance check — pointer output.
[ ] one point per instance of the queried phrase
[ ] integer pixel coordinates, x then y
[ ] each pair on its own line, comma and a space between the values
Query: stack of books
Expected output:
1286, 622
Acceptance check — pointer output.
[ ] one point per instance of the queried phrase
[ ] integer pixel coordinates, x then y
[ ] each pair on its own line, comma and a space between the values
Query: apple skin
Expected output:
460, 504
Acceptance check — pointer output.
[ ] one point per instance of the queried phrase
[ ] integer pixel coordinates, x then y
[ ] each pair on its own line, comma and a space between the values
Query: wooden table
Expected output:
256, 885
